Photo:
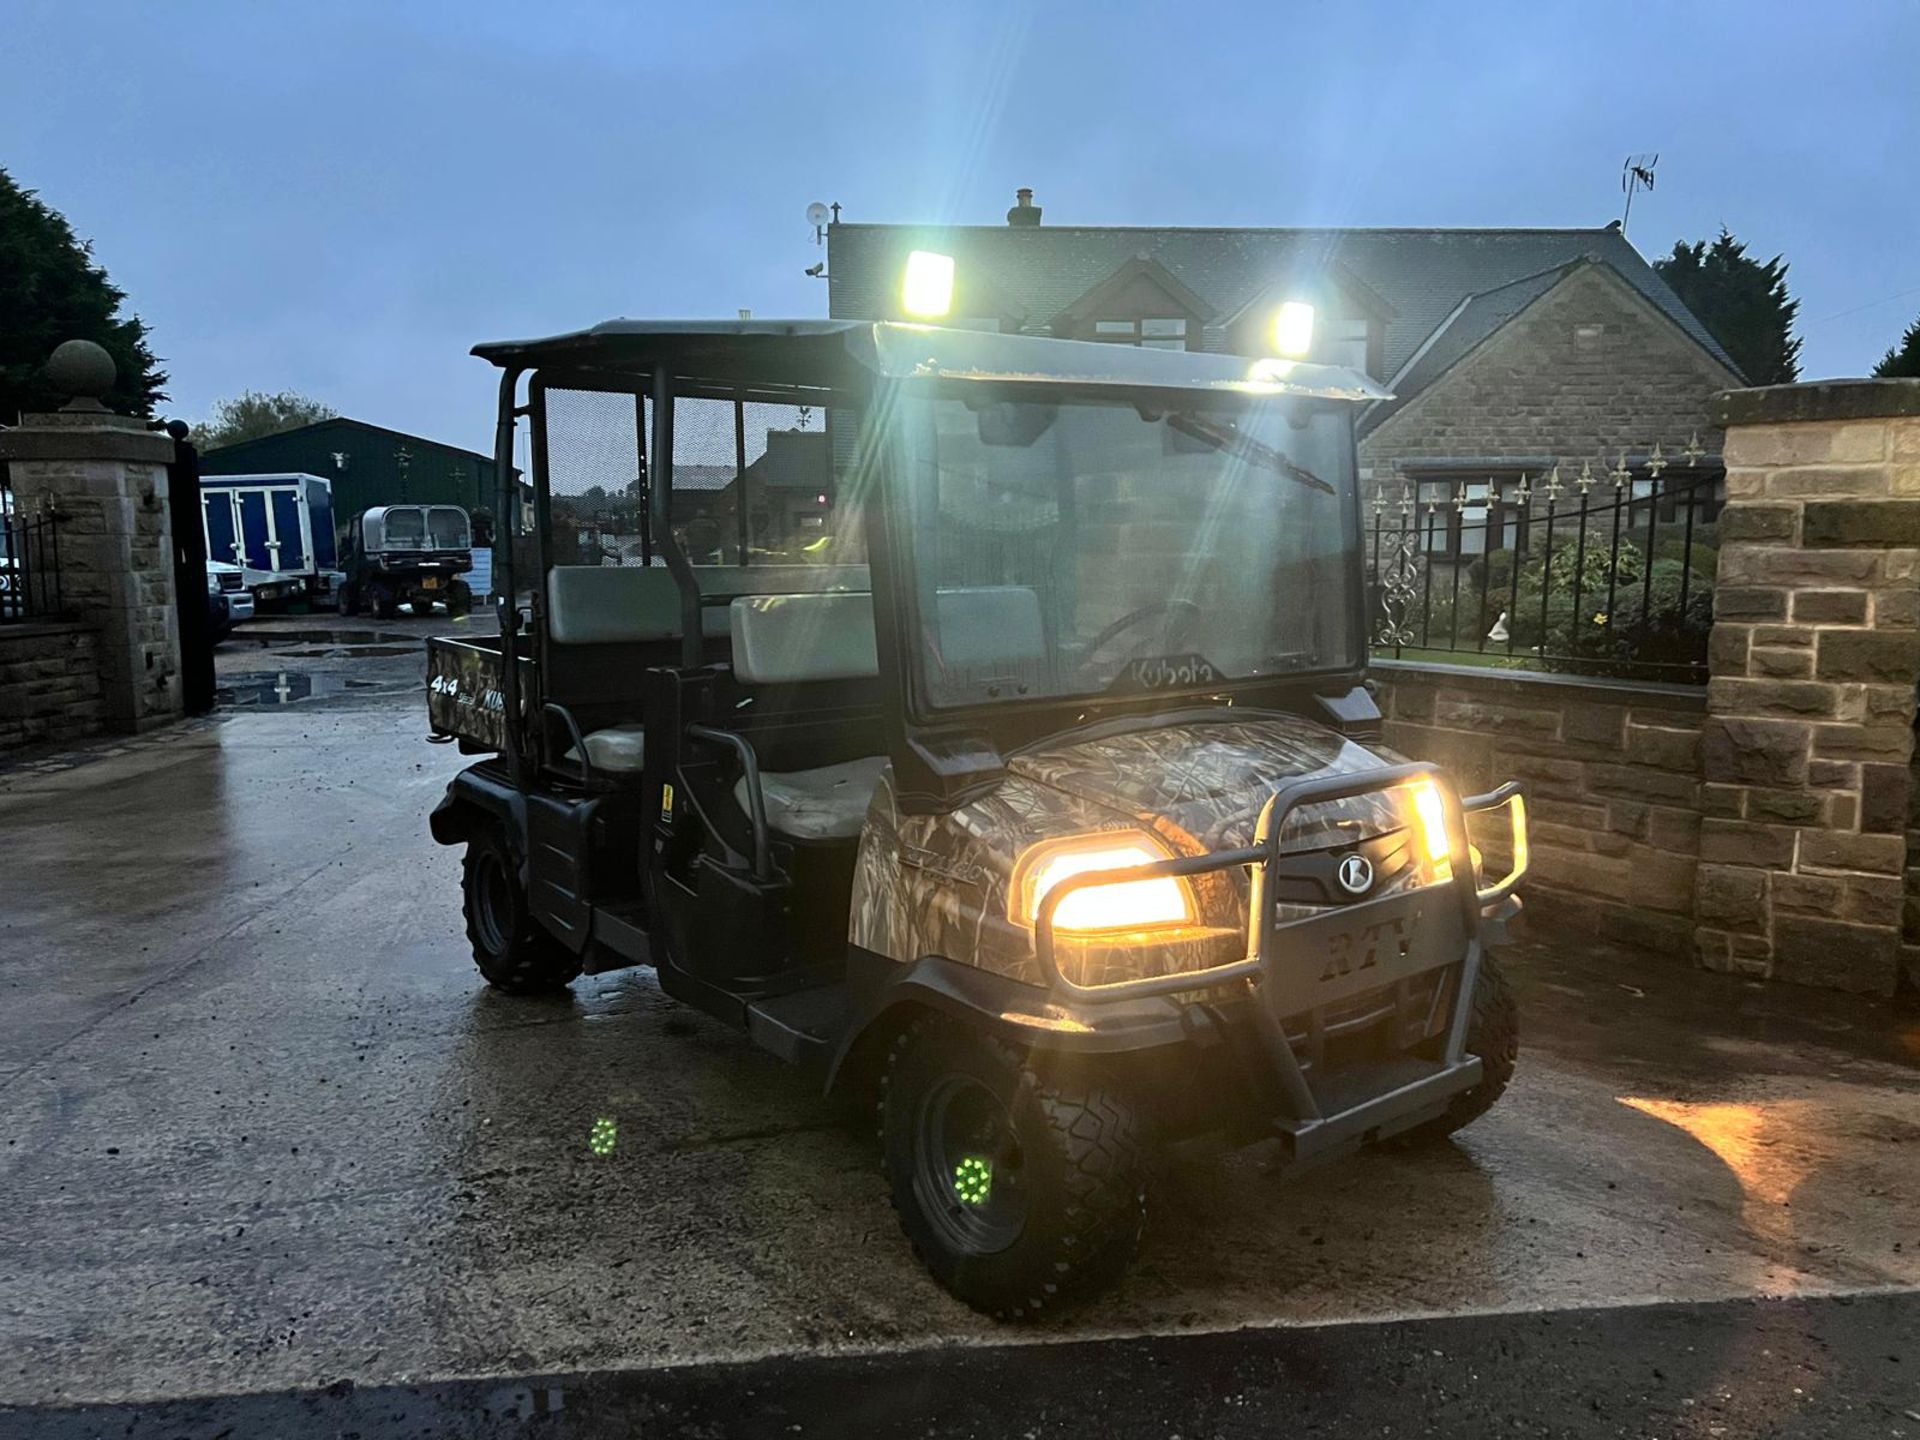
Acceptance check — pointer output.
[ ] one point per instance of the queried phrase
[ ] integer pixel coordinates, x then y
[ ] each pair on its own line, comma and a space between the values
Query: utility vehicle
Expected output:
407, 555
1035, 786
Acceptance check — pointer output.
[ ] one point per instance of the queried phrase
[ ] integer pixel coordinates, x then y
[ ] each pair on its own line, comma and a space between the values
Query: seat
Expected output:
617, 749
828, 803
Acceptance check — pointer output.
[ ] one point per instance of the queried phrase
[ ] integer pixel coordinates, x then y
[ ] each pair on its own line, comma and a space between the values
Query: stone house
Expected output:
1507, 350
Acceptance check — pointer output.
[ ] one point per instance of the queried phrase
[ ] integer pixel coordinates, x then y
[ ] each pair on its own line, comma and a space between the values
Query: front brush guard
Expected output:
1307, 964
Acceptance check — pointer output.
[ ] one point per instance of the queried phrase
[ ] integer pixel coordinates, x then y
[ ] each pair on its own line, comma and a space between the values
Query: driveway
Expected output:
262, 1129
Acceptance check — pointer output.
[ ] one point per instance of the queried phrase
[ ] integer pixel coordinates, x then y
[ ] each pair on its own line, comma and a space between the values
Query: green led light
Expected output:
973, 1180
600, 1139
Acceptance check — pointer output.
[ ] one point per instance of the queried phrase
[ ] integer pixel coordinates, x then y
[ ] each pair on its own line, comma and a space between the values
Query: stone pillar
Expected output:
104, 477
1814, 658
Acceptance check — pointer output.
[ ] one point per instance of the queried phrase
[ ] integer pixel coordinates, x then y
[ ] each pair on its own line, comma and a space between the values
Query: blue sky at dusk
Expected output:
341, 198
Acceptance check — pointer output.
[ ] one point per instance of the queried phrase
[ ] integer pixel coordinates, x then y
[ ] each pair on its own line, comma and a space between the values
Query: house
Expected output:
1507, 350
366, 464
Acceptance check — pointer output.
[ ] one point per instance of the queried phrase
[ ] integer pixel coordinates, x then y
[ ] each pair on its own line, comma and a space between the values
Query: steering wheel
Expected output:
1175, 632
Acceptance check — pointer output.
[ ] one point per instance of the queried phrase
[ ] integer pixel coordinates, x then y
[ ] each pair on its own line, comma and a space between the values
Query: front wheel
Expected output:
1493, 1033
1017, 1191
512, 949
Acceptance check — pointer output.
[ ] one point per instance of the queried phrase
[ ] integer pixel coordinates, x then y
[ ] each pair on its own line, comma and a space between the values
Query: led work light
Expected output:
927, 290
1293, 329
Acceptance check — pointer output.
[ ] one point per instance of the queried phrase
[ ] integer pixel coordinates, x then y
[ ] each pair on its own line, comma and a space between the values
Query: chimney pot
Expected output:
1024, 214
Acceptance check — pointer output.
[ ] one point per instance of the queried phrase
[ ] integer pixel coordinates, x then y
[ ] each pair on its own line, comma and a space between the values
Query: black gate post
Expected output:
190, 573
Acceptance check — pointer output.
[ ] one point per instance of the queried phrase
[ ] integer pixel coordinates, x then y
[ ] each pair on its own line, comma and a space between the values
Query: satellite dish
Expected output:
816, 214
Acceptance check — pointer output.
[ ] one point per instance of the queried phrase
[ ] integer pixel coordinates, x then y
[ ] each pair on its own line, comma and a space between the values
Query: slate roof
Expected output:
1422, 275
347, 422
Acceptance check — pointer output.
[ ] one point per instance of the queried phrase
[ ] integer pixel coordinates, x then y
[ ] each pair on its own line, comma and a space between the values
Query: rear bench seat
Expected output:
631, 605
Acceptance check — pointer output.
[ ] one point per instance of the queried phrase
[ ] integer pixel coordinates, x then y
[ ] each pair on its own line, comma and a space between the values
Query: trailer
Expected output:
278, 529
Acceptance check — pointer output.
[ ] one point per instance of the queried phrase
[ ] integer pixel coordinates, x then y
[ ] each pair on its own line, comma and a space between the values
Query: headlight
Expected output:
213, 584
1433, 822
1130, 905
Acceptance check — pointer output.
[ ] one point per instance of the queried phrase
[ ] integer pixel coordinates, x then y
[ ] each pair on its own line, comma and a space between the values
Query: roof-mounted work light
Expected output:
926, 293
1293, 329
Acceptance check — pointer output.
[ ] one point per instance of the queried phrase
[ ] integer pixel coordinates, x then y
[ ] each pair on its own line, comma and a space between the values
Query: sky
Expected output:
342, 198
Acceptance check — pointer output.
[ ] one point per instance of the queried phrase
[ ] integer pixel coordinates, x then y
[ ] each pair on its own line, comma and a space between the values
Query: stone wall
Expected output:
1612, 776
1588, 369
105, 477
49, 684
1814, 658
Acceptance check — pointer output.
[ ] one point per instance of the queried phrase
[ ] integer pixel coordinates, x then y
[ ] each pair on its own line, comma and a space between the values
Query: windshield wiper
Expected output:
1245, 447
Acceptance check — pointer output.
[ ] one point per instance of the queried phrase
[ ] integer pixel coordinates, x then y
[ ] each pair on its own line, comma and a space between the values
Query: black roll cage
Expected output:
752, 360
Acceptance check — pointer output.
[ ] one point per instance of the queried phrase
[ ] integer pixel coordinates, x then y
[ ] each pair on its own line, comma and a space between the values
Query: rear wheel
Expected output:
511, 948
1018, 1192
1493, 1033
385, 604
459, 599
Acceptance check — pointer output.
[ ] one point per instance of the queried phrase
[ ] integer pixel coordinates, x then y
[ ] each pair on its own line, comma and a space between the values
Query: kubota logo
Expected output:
1355, 874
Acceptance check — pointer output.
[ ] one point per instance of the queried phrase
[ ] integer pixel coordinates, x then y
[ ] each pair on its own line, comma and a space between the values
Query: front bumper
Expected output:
1417, 953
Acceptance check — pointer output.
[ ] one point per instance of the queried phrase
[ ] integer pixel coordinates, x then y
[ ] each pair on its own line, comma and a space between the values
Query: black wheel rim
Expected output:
491, 901
969, 1166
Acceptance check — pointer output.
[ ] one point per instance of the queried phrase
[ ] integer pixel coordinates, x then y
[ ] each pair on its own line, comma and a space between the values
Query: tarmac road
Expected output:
262, 1132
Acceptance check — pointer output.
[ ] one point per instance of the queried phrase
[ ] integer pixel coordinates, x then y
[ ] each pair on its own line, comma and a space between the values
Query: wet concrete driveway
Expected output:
261, 1126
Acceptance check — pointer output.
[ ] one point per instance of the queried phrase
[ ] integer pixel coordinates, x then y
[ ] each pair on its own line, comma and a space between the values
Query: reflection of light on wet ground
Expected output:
284, 687
1763, 1145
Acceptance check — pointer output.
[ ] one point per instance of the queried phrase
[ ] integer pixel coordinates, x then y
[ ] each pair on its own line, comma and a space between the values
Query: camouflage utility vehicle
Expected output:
1008, 754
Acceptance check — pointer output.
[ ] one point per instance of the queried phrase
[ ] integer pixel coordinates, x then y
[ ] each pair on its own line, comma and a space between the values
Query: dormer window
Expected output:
1154, 334
1344, 340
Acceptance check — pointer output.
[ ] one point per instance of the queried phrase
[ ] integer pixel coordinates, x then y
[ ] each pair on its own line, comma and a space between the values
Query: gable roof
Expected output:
1473, 320
1421, 276
345, 422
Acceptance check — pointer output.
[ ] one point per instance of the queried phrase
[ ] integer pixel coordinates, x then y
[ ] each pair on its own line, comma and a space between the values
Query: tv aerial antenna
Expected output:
1636, 175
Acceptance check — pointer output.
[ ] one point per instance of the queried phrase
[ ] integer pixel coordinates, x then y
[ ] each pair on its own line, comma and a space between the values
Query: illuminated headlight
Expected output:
926, 292
1128, 905
1293, 329
1433, 824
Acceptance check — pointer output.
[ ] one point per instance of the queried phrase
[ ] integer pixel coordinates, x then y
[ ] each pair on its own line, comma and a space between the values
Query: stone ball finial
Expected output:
82, 369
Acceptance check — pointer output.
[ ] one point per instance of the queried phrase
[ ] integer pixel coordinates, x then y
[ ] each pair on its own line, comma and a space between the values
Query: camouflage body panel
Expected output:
465, 694
941, 884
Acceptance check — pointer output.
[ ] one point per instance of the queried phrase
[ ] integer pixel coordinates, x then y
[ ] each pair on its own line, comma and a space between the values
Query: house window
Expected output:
1158, 334
1344, 340
1491, 519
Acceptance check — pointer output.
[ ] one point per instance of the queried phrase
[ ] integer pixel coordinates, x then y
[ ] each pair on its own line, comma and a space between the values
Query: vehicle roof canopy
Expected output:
852, 354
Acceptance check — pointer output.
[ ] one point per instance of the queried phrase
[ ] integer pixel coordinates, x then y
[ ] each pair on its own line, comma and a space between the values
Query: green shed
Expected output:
367, 465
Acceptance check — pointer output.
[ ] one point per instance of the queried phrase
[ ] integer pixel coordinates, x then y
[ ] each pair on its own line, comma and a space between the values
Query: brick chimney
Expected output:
1024, 214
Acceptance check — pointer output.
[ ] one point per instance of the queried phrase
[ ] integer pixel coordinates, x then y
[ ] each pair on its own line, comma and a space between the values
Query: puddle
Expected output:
349, 652
286, 687
317, 637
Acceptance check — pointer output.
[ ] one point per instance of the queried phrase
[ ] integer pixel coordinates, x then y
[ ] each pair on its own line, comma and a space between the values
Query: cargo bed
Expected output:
466, 691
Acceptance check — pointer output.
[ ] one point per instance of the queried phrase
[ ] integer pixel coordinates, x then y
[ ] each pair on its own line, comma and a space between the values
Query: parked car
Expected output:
228, 599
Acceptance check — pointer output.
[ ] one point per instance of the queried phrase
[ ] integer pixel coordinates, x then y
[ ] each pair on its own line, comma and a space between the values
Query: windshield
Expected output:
447, 525
1085, 547
403, 529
